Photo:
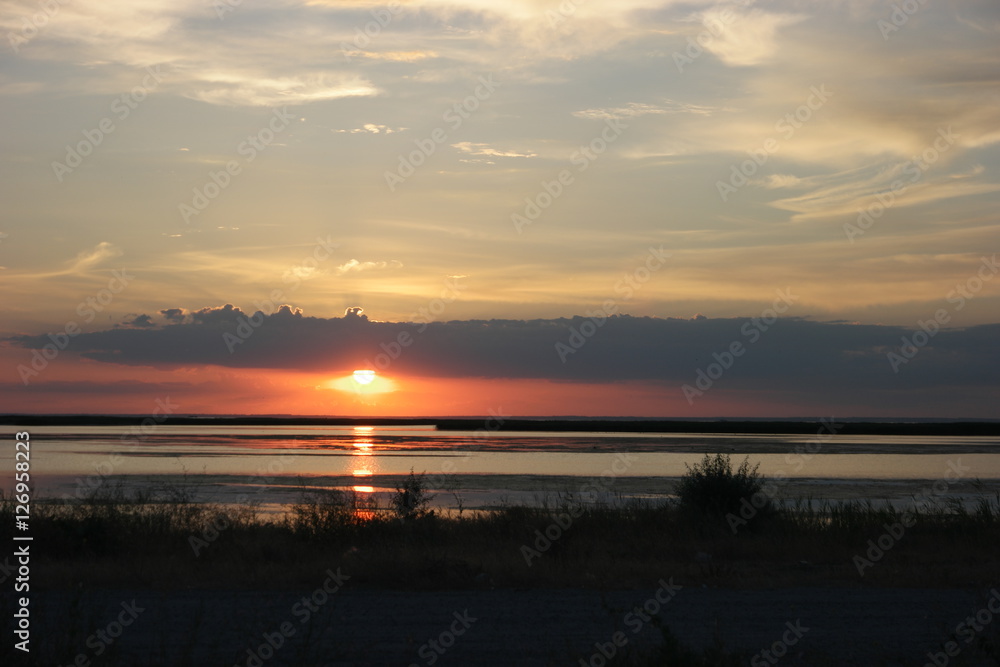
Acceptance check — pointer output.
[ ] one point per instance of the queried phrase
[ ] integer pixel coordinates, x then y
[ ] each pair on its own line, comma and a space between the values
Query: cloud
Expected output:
791, 354
394, 56
558, 84
353, 265
199, 60
372, 128
634, 109
905, 184
90, 259
775, 181
173, 315
744, 38
137, 322
486, 150
249, 89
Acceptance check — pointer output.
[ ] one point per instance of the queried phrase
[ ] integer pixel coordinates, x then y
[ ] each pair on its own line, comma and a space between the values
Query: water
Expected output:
272, 464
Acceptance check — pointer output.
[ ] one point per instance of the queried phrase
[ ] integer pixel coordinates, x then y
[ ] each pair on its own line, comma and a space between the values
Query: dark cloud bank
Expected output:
788, 352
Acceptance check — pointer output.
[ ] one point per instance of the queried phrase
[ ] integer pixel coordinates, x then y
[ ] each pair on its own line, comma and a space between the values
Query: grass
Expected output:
161, 539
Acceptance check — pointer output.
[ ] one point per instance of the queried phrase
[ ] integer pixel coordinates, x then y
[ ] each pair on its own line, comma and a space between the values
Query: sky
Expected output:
594, 208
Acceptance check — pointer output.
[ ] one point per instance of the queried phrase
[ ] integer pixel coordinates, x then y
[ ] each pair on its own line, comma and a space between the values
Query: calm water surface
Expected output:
273, 463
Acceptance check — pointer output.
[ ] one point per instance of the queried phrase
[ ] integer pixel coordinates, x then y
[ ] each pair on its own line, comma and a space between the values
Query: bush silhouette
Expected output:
712, 487
411, 500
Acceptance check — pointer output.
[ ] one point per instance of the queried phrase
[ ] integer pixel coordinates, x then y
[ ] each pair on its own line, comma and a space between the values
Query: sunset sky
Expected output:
542, 208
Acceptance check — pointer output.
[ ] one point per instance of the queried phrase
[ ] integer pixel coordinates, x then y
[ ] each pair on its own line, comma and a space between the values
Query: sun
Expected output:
364, 376
363, 383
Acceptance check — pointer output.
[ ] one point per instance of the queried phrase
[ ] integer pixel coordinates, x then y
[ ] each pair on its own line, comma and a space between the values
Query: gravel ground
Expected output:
357, 626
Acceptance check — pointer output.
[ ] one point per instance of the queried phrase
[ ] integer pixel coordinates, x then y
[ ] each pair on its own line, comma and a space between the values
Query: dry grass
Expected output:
160, 539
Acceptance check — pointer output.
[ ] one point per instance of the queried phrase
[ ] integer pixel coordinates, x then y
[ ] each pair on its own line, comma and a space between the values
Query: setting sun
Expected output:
363, 382
364, 376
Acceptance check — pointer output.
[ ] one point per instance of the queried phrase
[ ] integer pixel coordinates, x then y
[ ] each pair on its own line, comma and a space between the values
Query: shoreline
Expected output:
489, 491
742, 426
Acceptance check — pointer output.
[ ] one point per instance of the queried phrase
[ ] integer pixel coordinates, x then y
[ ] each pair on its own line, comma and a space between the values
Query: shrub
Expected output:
712, 487
412, 498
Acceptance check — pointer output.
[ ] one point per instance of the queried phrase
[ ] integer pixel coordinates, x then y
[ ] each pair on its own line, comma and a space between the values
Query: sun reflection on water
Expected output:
363, 464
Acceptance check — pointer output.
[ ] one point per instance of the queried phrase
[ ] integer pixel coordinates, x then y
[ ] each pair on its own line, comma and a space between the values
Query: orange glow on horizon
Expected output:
365, 384
212, 390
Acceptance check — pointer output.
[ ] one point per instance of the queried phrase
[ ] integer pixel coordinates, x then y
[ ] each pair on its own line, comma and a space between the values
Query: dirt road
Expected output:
356, 626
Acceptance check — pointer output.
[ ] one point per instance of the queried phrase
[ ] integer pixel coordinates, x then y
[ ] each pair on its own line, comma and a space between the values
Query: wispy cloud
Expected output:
481, 149
634, 109
372, 128
355, 266
89, 259
745, 37
848, 192
245, 89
